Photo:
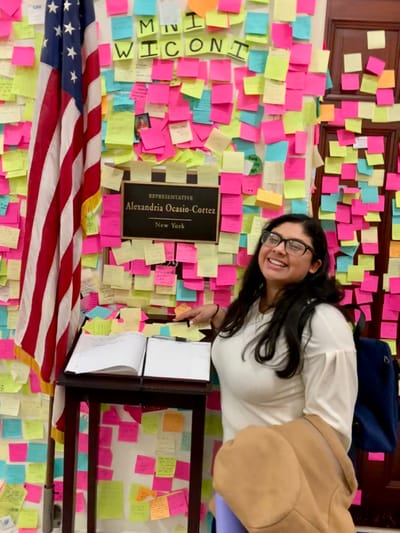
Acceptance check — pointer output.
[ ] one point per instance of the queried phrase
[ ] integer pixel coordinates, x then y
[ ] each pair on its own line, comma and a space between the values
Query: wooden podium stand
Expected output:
98, 389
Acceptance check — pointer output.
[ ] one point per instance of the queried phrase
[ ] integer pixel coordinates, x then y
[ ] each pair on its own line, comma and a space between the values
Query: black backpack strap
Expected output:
359, 325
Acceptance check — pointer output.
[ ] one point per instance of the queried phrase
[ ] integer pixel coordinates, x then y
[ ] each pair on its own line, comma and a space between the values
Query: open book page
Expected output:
121, 353
168, 358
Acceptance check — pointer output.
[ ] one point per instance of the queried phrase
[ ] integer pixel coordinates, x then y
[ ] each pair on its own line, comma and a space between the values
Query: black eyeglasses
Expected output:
292, 246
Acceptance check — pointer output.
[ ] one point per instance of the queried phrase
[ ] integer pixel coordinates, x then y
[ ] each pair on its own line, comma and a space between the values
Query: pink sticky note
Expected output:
229, 6
80, 502
7, 349
300, 54
5, 28
186, 253
357, 498
104, 456
17, 452
394, 285
231, 204
376, 456
300, 142
306, 6
330, 184
182, 470
392, 181
362, 297
250, 184
370, 283
385, 96
230, 183
165, 276
220, 70
82, 480
158, 93
375, 144
145, 464
315, 84
282, 35
34, 492
231, 223
105, 57
177, 503
250, 133
105, 474
346, 138
273, 131
163, 484
152, 138
162, 70
23, 56
375, 65
83, 443
349, 171
295, 168
111, 416
116, 7
188, 67
222, 113
128, 432
349, 109
350, 81
388, 330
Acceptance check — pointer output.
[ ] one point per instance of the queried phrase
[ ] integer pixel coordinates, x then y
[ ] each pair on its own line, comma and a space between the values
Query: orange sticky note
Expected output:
394, 249
386, 80
143, 493
173, 422
200, 7
327, 113
159, 508
181, 308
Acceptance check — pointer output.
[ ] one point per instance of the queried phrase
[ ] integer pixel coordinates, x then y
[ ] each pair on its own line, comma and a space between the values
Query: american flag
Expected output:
63, 187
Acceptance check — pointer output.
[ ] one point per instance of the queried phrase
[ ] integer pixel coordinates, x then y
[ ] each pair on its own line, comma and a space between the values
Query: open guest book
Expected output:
134, 354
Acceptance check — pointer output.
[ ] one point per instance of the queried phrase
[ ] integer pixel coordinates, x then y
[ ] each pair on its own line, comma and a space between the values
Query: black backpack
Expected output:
376, 415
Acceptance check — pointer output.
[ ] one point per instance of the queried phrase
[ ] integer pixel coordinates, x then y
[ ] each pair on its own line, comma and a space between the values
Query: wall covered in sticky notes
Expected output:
223, 93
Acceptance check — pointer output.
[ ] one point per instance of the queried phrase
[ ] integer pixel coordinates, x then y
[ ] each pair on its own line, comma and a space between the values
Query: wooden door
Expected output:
348, 28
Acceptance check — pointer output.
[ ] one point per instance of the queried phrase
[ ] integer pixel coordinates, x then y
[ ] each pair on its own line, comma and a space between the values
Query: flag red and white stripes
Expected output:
63, 186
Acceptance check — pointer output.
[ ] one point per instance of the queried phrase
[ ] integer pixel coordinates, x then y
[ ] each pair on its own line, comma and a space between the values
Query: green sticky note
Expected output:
28, 518
110, 500
294, 189
36, 473
151, 423
165, 466
139, 511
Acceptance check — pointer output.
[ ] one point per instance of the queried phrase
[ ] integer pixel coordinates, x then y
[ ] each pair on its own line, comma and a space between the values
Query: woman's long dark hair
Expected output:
296, 304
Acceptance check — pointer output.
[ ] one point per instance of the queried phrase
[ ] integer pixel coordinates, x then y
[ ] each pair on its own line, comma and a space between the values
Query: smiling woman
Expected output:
283, 348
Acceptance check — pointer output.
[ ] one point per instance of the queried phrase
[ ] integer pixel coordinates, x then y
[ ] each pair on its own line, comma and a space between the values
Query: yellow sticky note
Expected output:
374, 159
319, 61
293, 189
139, 511
265, 198
353, 124
36, 472
293, 121
352, 62
217, 19
192, 87
285, 10
274, 92
254, 84
333, 165
28, 518
355, 273
165, 466
217, 141
335, 150
110, 499
232, 161
376, 39
277, 65
369, 84
151, 423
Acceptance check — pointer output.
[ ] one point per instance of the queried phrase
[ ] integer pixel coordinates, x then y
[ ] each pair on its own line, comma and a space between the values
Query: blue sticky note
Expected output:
369, 193
11, 428
300, 207
165, 331
3, 316
58, 467
277, 151
302, 28
15, 474
343, 262
329, 82
3, 467
4, 201
251, 117
247, 147
123, 102
201, 108
121, 28
396, 220
243, 240
112, 85
99, 312
183, 294
395, 210
256, 23
349, 250
329, 202
257, 61
250, 210
83, 462
328, 225
145, 8
83, 424
364, 168
37, 452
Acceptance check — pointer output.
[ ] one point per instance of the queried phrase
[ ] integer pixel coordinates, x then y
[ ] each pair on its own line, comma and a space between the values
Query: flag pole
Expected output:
48, 493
